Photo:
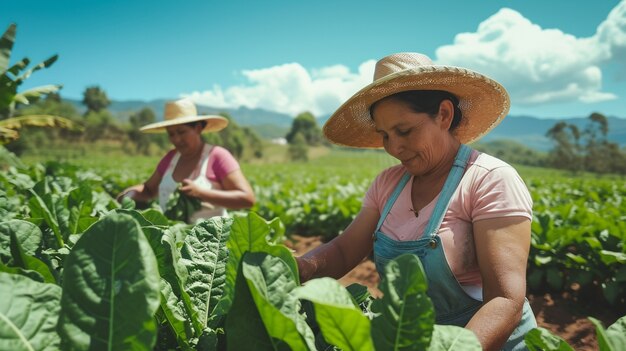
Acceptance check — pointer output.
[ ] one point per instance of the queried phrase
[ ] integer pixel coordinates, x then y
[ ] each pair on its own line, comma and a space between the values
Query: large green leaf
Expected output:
175, 302
21, 271
39, 121
44, 207
23, 260
450, 337
155, 217
406, 314
27, 233
19, 242
80, 205
273, 311
251, 233
204, 254
6, 45
30, 95
110, 289
612, 339
246, 330
28, 314
616, 333
540, 339
177, 318
44, 64
359, 292
342, 323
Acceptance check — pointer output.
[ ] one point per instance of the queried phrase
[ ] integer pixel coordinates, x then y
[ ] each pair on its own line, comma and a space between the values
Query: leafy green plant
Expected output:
11, 77
132, 280
60, 228
611, 339
181, 206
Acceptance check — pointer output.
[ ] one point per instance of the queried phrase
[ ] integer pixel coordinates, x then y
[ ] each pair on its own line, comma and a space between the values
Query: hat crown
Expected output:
400, 62
179, 108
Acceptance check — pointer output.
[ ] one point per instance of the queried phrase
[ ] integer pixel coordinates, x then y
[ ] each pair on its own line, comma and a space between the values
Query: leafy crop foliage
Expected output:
74, 264
180, 206
132, 281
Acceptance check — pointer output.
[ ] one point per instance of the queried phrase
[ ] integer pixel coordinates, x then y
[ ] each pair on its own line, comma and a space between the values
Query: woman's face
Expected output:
418, 140
184, 138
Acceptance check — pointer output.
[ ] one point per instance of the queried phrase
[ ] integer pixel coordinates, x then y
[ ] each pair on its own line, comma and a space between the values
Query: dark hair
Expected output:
426, 101
194, 124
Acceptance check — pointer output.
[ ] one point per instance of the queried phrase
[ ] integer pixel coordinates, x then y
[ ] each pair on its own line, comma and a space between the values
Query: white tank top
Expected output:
168, 185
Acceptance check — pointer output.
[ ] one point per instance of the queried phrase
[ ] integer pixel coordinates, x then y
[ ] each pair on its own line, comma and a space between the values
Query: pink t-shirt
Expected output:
221, 162
490, 188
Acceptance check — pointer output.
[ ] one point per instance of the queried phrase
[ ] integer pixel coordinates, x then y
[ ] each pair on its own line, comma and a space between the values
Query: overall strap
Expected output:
205, 159
452, 182
392, 199
170, 166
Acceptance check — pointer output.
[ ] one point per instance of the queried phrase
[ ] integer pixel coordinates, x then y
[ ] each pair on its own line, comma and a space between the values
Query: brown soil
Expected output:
560, 313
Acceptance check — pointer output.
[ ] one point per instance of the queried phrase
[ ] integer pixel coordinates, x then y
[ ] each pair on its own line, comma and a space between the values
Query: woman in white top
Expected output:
209, 173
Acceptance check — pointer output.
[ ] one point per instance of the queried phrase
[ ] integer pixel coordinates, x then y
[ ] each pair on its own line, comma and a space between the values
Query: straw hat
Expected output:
483, 101
184, 111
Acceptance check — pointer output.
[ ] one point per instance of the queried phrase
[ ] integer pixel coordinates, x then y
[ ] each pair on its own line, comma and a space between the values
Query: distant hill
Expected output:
527, 130
270, 124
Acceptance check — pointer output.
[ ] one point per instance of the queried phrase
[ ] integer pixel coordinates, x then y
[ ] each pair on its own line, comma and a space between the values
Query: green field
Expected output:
56, 201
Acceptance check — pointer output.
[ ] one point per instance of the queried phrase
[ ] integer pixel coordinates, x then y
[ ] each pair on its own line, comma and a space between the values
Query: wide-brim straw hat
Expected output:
184, 111
483, 101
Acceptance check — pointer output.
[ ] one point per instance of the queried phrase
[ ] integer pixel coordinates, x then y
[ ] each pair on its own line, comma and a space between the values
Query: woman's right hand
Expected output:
130, 192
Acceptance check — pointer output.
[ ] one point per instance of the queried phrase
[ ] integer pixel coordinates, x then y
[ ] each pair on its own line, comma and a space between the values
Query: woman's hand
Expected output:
191, 189
129, 192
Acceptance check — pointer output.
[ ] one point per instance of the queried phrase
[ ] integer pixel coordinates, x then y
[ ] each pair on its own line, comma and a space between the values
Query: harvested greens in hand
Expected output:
180, 206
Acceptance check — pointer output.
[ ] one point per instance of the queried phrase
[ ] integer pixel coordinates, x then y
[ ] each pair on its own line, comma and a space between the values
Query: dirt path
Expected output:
561, 314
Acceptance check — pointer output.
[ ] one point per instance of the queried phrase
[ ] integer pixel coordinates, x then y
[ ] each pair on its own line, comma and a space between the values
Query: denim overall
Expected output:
453, 306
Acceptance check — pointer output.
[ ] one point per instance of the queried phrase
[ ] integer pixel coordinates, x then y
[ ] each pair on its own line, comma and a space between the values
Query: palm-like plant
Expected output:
11, 77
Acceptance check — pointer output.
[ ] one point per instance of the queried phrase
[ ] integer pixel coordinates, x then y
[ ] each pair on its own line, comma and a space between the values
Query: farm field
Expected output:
577, 266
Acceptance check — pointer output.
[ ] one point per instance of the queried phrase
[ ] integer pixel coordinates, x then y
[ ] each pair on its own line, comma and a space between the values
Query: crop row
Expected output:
578, 231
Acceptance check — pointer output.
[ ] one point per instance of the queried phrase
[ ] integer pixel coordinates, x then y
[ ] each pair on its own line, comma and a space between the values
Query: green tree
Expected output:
298, 148
102, 125
95, 99
305, 124
513, 152
11, 77
597, 158
52, 105
237, 139
566, 153
231, 137
589, 150
137, 120
254, 141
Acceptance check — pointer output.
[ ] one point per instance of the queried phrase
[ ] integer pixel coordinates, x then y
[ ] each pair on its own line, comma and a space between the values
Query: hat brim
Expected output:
214, 123
483, 101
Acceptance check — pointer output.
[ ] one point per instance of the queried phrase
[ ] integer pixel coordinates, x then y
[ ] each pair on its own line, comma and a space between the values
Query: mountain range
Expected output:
528, 130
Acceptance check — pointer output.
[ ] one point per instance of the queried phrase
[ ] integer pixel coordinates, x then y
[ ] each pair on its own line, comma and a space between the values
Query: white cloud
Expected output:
290, 88
536, 65
612, 34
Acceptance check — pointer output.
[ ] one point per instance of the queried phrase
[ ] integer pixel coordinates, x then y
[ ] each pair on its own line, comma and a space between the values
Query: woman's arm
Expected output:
337, 257
236, 193
502, 246
143, 192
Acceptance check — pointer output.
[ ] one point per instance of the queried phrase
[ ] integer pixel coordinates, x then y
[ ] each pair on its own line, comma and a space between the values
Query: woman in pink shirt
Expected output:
465, 214
196, 169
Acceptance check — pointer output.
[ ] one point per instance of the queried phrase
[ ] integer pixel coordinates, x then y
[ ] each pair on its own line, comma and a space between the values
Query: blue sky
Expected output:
556, 58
